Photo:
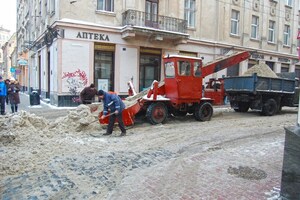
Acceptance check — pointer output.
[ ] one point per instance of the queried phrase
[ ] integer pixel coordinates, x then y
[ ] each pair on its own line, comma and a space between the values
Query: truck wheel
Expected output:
203, 111
157, 113
269, 108
243, 107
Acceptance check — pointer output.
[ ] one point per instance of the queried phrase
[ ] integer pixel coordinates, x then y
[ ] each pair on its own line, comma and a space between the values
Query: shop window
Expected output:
271, 65
251, 63
104, 70
297, 71
188, 53
284, 68
149, 70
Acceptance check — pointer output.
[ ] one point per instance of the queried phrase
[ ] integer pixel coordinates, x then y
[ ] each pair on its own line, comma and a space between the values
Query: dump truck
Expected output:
180, 93
265, 94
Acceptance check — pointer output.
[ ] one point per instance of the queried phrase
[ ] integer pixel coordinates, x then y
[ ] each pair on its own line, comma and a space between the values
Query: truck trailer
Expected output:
265, 94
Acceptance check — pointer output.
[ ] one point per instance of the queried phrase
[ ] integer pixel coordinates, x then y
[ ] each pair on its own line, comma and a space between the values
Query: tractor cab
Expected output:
183, 78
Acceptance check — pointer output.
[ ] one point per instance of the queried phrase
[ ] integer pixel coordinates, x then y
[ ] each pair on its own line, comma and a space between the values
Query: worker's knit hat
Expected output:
100, 92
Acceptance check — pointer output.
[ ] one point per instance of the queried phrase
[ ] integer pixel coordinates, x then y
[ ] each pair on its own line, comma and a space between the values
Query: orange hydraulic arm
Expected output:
224, 62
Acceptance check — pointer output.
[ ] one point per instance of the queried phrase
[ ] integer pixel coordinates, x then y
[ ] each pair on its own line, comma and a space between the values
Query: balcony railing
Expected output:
142, 19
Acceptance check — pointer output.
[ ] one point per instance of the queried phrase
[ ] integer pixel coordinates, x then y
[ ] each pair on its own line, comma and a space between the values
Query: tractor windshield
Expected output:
169, 69
184, 68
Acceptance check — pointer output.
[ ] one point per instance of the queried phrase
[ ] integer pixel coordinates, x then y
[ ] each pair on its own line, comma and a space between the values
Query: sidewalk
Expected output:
46, 110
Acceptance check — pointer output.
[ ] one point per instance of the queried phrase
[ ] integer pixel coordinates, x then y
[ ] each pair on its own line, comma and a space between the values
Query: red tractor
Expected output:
182, 90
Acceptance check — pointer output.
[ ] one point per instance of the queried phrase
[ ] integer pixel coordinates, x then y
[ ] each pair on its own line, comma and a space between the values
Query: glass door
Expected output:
151, 12
149, 70
104, 70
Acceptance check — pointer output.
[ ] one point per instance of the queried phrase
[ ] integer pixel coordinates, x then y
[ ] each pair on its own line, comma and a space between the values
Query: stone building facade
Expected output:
9, 67
4, 37
72, 43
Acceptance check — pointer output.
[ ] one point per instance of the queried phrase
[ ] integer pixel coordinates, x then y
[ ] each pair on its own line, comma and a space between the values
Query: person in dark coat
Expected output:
112, 103
3, 93
87, 95
13, 95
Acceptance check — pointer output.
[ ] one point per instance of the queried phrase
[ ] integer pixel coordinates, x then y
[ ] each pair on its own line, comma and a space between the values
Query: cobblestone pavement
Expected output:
233, 156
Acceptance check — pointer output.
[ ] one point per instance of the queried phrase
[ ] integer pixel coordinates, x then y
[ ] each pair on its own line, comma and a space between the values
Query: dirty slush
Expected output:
228, 157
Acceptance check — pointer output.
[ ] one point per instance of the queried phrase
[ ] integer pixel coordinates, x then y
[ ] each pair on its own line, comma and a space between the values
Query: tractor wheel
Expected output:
203, 111
270, 107
157, 113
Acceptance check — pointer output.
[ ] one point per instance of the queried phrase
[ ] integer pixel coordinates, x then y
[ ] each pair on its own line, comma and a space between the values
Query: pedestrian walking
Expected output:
3, 93
13, 95
112, 108
87, 95
7, 82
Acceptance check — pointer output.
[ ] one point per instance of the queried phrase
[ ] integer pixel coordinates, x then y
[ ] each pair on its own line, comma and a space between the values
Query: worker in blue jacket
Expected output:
112, 107
3, 93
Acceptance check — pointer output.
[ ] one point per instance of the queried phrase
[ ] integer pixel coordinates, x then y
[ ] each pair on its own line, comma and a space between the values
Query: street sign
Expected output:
22, 62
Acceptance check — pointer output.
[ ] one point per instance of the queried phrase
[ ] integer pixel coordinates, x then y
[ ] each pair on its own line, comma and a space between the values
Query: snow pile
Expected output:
81, 119
23, 125
20, 124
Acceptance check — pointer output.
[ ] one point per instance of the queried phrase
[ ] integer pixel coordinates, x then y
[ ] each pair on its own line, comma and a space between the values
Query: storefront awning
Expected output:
22, 62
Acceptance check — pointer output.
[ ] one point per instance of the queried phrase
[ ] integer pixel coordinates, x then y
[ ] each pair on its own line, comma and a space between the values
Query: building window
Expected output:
52, 6
289, 3
235, 15
254, 27
105, 5
297, 71
190, 12
284, 68
286, 35
271, 36
151, 13
271, 65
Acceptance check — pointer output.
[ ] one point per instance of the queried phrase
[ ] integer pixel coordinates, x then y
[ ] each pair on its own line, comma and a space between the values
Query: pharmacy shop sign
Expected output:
92, 36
